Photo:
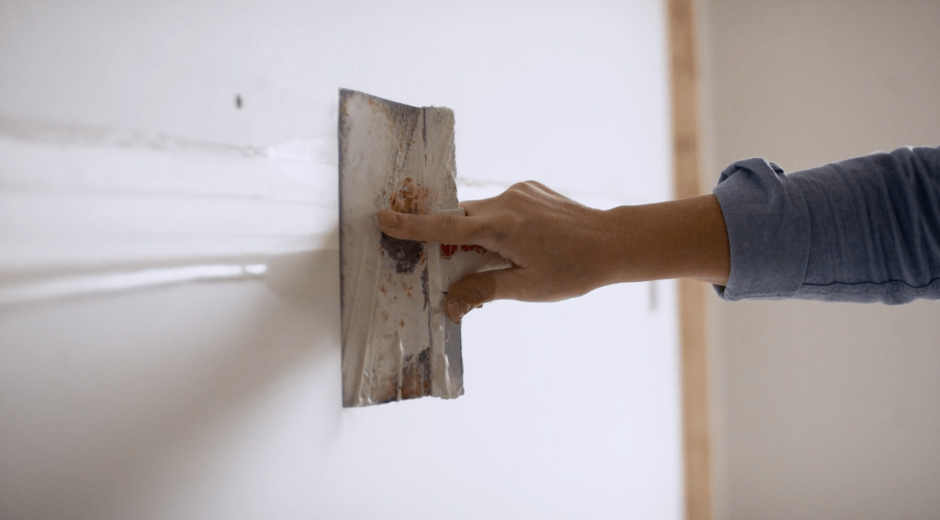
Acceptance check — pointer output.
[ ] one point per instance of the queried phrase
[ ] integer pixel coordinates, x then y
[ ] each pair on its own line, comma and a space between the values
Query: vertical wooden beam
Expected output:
692, 337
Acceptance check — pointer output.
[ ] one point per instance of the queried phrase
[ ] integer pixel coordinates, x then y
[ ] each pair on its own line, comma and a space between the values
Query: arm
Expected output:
562, 249
863, 230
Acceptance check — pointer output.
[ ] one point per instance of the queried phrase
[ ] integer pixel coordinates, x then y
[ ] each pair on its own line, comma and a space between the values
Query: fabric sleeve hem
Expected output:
768, 231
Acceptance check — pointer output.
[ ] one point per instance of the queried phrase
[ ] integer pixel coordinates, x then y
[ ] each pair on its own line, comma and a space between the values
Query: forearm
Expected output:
677, 239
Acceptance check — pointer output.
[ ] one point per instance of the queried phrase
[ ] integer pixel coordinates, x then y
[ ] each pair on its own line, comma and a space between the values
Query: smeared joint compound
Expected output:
397, 340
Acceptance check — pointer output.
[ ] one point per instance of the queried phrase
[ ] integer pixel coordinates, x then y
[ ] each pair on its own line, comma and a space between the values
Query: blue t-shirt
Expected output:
862, 230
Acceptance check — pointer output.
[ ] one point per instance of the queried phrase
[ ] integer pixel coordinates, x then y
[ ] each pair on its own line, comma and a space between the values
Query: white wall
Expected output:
169, 336
822, 410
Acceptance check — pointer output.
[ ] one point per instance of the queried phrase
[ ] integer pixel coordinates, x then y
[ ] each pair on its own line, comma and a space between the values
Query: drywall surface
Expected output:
823, 410
169, 296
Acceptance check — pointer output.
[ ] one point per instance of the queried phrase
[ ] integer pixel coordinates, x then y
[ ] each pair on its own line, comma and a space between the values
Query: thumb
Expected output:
472, 291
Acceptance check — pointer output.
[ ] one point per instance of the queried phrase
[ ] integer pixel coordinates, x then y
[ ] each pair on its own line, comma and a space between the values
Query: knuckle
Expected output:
446, 226
453, 229
448, 223
513, 196
520, 189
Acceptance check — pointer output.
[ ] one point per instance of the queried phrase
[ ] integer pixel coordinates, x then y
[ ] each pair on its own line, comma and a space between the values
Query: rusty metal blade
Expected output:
397, 340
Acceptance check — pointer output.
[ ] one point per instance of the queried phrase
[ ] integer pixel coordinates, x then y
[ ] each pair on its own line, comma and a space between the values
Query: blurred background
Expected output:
169, 297
821, 410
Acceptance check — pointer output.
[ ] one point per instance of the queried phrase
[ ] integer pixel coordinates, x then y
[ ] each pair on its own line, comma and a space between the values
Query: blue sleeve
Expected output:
862, 230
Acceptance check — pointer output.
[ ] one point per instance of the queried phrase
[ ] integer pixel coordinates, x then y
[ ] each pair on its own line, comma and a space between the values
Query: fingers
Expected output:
446, 229
474, 290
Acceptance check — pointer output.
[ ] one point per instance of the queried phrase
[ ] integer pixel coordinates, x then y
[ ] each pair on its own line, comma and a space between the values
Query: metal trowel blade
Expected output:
397, 340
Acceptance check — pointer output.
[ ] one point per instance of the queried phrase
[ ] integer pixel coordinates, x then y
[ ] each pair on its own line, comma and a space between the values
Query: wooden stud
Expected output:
692, 337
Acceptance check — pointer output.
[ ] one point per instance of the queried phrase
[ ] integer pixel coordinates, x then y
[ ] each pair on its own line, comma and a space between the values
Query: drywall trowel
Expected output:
398, 342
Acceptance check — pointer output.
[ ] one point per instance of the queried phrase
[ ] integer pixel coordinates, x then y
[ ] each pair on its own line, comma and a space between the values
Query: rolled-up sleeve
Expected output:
862, 230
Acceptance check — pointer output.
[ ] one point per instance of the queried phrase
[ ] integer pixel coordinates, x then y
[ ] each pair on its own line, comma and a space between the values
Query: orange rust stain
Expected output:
402, 323
409, 295
382, 289
410, 198
379, 107
415, 376
385, 391
407, 287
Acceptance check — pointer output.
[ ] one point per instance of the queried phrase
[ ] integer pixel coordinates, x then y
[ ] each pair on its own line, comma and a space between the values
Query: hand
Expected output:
559, 248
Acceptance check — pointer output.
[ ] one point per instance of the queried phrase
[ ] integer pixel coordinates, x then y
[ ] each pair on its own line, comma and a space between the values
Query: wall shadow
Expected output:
167, 387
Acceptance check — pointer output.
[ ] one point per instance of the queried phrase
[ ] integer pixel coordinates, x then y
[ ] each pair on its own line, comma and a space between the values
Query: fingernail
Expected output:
387, 219
457, 309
